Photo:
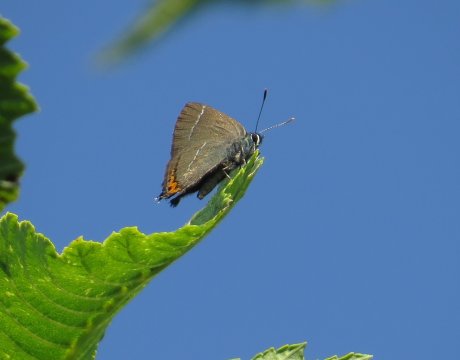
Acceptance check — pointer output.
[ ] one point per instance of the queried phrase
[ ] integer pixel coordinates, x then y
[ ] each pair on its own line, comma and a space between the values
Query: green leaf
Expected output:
351, 356
58, 306
161, 16
286, 352
296, 352
15, 101
155, 21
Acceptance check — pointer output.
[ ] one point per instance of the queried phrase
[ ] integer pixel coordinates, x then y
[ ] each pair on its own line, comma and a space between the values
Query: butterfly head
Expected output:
257, 138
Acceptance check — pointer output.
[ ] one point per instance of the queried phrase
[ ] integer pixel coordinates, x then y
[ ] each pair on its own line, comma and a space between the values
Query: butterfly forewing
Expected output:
199, 138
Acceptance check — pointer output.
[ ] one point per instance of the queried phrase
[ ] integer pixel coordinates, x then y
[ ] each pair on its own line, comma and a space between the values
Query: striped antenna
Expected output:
278, 125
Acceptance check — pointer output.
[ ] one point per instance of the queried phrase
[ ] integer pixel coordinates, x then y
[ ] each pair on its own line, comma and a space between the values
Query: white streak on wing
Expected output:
189, 167
196, 122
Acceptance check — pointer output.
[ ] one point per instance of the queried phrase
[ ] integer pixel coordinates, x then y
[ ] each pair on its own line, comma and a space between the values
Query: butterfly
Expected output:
207, 145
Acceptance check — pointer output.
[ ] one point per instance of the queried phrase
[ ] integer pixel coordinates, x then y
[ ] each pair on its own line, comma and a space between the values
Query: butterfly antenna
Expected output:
261, 107
277, 125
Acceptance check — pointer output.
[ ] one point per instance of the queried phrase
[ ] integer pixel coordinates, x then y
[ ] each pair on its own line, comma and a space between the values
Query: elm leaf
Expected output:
58, 306
15, 101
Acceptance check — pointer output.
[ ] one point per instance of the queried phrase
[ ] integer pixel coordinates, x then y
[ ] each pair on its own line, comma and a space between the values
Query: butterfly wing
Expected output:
200, 140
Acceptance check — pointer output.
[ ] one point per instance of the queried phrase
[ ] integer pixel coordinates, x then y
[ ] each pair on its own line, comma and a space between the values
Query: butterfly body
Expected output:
207, 145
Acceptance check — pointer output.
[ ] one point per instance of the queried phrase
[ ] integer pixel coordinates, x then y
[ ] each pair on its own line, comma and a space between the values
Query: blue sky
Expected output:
348, 237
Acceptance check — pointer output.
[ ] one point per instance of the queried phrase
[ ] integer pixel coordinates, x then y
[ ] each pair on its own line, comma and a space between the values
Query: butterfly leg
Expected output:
227, 168
242, 156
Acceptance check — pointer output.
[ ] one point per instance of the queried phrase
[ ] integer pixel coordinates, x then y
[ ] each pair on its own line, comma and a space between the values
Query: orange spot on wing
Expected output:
172, 186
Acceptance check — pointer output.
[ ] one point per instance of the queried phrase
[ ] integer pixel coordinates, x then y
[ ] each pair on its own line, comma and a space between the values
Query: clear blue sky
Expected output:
349, 237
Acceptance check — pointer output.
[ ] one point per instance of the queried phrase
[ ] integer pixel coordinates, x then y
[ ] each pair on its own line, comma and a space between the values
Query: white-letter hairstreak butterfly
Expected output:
207, 145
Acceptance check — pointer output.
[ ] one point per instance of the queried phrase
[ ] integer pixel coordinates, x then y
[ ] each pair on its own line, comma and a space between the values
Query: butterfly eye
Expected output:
256, 138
